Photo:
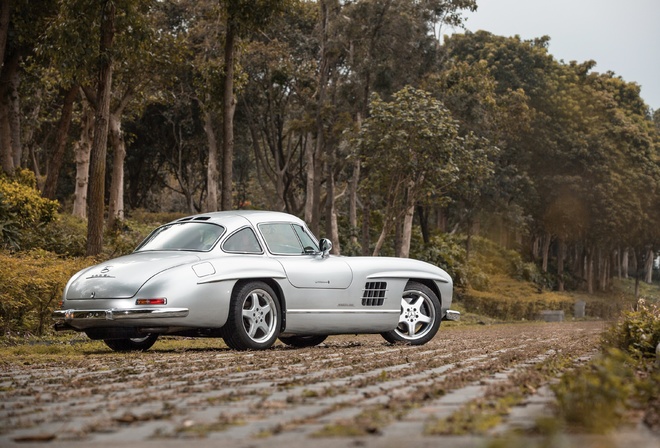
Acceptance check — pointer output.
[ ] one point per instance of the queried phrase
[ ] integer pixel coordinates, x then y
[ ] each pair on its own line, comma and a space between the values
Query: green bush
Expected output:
622, 383
22, 208
448, 252
31, 286
66, 235
596, 397
638, 331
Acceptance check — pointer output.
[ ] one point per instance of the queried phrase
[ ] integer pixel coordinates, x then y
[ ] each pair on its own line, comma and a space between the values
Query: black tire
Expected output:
420, 316
254, 317
302, 341
132, 344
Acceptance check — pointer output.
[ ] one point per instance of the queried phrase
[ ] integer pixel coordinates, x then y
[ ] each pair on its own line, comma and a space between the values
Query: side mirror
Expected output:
326, 246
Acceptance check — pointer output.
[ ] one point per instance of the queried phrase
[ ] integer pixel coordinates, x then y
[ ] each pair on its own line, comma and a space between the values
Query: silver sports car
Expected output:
251, 277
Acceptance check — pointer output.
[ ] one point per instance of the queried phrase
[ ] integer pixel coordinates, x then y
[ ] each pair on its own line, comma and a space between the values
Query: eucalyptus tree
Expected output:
588, 152
21, 22
281, 64
92, 43
412, 149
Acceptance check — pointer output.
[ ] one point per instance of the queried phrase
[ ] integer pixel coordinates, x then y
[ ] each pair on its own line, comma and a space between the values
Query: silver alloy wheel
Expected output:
259, 315
417, 315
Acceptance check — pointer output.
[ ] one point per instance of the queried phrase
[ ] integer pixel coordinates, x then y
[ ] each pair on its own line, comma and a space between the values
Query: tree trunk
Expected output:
5, 8
15, 113
366, 227
388, 223
406, 229
625, 262
82, 151
57, 158
96, 194
546, 251
352, 203
7, 152
309, 183
6, 156
590, 271
324, 73
212, 174
331, 227
228, 109
560, 264
648, 267
116, 202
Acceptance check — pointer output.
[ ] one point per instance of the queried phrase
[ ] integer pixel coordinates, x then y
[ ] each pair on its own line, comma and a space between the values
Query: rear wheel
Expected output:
132, 344
302, 341
420, 316
254, 317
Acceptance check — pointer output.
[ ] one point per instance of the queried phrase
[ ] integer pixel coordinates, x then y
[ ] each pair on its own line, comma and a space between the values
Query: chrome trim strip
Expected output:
344, 311
119, 314
452, 315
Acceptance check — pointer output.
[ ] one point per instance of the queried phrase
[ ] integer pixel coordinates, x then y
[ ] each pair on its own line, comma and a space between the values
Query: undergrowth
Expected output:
620, 384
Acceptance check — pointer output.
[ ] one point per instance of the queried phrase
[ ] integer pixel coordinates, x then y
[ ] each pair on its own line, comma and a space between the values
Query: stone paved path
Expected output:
351, 390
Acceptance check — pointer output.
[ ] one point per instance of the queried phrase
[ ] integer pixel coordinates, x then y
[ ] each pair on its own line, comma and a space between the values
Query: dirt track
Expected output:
351, 389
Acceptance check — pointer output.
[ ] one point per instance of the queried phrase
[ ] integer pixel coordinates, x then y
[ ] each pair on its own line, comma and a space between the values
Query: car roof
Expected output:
237, 218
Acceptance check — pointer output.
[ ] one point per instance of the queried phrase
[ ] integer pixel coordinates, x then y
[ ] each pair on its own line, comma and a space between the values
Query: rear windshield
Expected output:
195, 236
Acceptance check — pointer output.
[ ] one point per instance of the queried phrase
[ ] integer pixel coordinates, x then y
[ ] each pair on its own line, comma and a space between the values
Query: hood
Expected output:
121, 278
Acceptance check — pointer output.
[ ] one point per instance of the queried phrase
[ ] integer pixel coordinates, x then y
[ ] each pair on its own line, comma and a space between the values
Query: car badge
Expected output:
105, 270
93, 294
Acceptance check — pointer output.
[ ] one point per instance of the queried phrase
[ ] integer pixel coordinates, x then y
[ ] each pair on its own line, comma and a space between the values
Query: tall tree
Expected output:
413, 150
241, 16
96, 195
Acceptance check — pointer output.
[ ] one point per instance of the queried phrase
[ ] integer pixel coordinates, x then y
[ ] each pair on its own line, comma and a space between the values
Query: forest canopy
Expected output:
357, 116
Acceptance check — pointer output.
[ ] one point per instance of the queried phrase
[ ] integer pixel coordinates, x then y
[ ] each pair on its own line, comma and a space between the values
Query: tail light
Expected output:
157, 301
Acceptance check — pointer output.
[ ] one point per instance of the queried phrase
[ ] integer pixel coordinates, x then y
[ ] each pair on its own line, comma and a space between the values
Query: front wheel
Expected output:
254, 317
420, 316
132, 344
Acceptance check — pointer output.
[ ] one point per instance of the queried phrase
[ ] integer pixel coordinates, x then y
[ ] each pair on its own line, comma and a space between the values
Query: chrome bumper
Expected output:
452, 315
119, 314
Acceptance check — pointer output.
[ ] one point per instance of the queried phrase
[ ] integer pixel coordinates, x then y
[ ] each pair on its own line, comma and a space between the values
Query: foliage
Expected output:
31, 285
620, 383
637, 331
22, 208
595, 398
64, 236
510, 300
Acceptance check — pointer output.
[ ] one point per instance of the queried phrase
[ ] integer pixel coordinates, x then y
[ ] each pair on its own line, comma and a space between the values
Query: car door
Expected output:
323, 294
299, 255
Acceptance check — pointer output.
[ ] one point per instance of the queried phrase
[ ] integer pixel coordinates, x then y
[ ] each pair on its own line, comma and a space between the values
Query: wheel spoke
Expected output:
411, 329
424, 318
252, 330
417, 302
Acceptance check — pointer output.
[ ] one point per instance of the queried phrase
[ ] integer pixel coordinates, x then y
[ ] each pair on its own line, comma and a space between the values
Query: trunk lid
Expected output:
122, 278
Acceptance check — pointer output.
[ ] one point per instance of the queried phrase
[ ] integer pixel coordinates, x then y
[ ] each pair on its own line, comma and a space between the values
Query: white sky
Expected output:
622, 36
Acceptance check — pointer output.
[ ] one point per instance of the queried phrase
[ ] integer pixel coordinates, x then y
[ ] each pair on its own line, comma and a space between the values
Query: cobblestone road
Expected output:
351, 390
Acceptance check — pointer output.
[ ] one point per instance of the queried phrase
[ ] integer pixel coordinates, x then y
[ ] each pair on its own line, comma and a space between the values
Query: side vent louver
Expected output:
374, 294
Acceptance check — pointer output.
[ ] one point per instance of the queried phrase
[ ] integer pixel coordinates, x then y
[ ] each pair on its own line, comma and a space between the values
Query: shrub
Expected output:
66, 235
596, 397
22, 208
31, 286
638, 331
510, 299
448, 252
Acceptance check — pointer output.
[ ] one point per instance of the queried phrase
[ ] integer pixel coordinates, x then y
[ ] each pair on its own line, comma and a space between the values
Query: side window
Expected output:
308, 243
281, 239
243, 241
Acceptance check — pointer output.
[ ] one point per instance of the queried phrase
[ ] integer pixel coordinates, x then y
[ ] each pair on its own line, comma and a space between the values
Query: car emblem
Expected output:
105, 270
93, 294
